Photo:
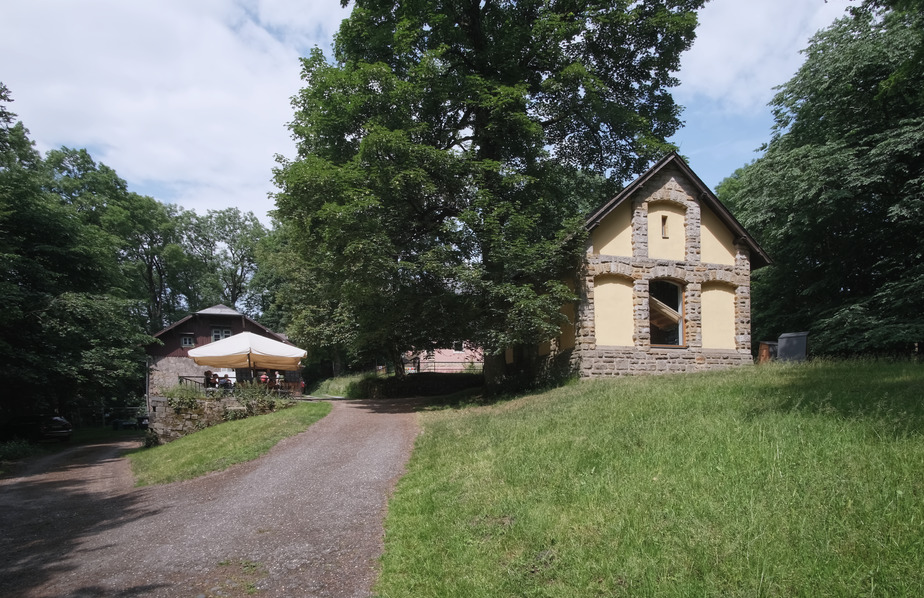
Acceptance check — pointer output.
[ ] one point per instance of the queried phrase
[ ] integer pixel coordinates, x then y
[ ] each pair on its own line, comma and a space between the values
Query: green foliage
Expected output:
837, 199
256, 398
13, 450
184, 392
184, 397
69, 333
787, 480
426, 384
341, 386
179, 404
445, 159
87, 268
224, 245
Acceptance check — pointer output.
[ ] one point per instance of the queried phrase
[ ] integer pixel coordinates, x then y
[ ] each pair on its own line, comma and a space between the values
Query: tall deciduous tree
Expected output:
235, 236
436, 189
67, 336
837, 199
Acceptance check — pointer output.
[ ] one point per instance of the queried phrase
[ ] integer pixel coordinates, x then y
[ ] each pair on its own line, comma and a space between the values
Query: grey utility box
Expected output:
791, 346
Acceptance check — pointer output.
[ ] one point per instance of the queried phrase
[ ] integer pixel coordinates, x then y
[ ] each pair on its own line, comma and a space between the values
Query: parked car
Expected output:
139, 423
37, 428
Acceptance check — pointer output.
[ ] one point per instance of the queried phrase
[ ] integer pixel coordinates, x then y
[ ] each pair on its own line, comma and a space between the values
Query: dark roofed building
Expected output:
170, 360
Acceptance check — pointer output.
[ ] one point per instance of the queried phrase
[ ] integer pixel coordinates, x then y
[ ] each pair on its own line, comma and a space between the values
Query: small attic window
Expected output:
664, 234
189, 340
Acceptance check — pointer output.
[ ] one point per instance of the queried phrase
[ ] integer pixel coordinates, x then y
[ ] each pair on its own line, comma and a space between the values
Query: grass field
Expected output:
780, 480
221, 446
340, 387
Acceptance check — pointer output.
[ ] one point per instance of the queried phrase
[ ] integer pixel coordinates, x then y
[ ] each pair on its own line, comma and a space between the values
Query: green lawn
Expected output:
221, 446
343, 386
781, 480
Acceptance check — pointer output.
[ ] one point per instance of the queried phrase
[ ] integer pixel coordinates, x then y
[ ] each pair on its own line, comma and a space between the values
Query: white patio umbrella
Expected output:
249, 350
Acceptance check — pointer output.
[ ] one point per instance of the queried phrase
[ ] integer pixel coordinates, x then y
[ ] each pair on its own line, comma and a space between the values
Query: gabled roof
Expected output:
224, 310
759, 257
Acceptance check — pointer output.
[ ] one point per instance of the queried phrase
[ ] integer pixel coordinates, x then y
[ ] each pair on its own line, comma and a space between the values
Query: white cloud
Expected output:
744, 49
188, 98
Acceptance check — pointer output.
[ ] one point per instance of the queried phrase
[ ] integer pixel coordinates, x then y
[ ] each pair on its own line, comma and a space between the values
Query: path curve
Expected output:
303, 520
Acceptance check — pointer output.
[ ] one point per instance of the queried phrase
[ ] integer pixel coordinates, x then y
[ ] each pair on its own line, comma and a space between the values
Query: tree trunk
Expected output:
495, 370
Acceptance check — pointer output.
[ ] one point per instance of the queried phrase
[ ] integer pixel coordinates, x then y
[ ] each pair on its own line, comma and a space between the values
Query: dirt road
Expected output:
304, 520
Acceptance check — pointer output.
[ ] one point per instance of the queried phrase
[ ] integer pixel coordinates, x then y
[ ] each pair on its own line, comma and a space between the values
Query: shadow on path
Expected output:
50, 506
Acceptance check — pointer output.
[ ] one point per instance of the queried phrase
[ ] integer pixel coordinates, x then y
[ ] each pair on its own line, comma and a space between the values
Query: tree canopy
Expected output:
446, 155
837, 199
88, 269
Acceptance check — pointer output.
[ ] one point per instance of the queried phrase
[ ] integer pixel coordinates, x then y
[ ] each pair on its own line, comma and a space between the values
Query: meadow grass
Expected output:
218, 447
780, 480
349, 386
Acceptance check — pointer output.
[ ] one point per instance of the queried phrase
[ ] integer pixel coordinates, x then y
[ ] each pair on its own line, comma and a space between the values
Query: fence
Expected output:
284, 387
444, 367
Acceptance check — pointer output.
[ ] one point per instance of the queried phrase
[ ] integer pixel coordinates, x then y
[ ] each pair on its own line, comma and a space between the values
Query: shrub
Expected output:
183, 396
425, 384
151, 439
16, 449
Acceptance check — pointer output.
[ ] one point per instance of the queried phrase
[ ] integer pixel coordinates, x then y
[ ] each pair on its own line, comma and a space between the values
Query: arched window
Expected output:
665, 307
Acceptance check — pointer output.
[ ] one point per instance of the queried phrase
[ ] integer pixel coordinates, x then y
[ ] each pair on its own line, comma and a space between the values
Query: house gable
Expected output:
170, 359
673, 188
665, 284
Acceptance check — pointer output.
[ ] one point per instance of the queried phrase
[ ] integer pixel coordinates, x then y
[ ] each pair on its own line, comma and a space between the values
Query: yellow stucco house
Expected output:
665, 285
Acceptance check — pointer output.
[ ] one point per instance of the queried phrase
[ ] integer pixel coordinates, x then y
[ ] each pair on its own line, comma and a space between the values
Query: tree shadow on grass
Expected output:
47, 514
888, 395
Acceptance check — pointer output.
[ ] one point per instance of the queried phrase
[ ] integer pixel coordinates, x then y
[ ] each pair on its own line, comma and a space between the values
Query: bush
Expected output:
342, 386
183, 396
151, 439
426, 384
16, 449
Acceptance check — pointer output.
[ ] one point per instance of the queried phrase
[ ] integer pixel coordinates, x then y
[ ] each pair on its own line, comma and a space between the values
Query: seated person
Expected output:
208, 378
225, 382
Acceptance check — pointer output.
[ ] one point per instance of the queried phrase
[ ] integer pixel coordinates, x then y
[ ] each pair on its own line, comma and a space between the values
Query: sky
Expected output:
188, 100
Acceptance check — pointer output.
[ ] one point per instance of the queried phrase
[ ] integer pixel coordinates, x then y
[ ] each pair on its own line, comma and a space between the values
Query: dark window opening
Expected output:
665, 306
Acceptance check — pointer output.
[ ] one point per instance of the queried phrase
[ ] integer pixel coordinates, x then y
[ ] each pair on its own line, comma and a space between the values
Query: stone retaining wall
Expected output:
169, 423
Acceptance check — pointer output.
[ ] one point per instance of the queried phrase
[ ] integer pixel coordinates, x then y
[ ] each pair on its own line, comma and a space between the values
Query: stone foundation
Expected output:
606, 362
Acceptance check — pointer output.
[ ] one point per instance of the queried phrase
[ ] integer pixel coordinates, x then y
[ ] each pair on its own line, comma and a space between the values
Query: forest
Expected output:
445, 163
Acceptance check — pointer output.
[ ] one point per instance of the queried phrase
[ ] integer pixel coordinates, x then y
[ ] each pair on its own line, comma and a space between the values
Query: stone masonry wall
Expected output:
169, 423
591, 360
166, 372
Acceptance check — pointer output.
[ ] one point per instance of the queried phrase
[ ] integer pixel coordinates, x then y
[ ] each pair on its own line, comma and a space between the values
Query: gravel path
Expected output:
304, 520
